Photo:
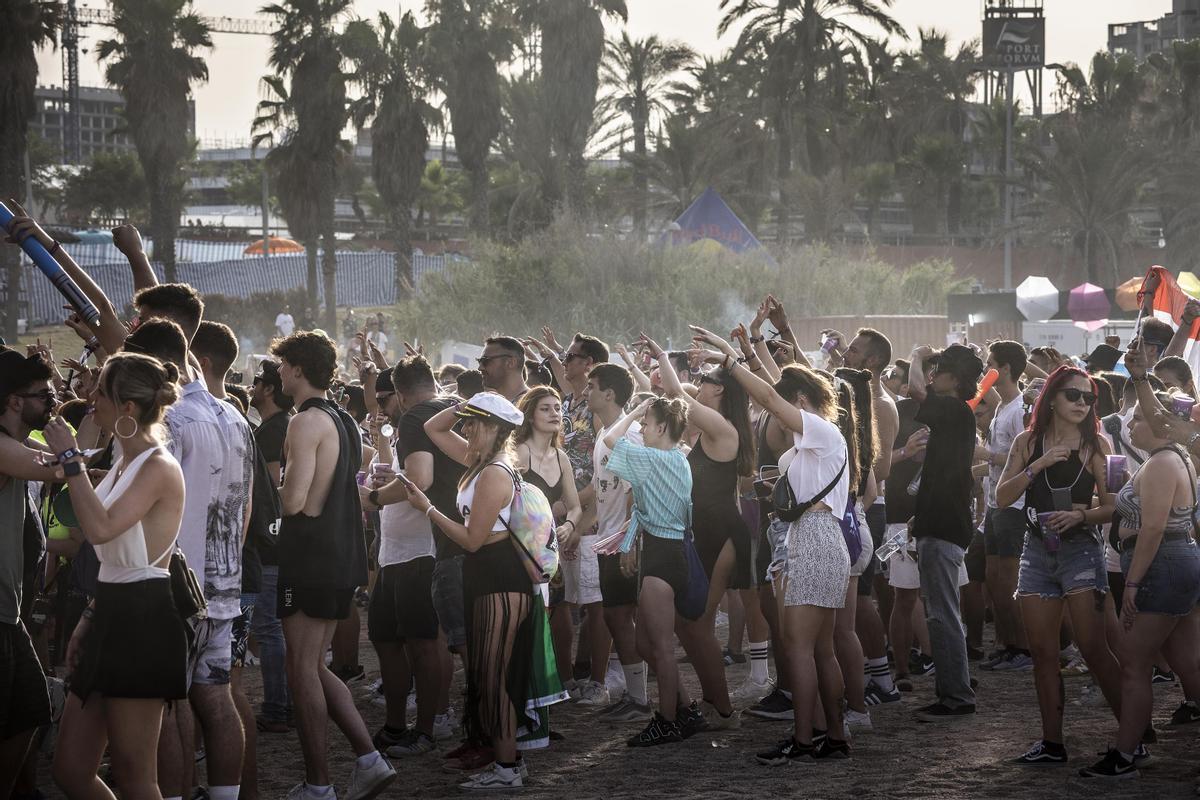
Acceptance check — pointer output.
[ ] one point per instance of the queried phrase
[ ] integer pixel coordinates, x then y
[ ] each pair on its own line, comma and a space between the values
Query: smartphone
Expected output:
408, 484
1061, 499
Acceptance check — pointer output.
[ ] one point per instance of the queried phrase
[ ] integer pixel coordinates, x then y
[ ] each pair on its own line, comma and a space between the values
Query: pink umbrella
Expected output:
1089, 307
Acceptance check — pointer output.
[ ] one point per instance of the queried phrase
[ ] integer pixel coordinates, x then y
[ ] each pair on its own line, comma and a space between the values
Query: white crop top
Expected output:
466, 497
124, 559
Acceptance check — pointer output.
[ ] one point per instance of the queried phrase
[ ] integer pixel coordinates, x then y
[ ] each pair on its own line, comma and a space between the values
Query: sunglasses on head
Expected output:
707, 378
1075, 395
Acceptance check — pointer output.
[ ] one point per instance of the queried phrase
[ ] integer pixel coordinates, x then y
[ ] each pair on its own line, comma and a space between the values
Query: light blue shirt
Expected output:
662, 490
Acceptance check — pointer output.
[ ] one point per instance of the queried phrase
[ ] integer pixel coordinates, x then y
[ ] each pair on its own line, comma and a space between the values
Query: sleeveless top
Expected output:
553, 493
714, 483
1070, 474
125, 559
466, 498
1129, 507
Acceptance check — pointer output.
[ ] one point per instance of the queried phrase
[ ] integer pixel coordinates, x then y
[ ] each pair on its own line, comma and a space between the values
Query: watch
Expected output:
373, 497
757, 339
72, 468
68, 454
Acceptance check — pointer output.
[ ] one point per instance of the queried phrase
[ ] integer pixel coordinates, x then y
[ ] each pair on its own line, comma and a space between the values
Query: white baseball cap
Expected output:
489, 405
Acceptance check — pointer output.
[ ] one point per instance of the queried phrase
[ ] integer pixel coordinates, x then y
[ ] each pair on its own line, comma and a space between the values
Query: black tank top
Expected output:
553, 493
1069, 474
328, 551
714, 483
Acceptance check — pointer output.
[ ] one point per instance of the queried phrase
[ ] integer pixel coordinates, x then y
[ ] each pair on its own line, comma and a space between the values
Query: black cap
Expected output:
383, 381
18, 370
1103, 359
962, 362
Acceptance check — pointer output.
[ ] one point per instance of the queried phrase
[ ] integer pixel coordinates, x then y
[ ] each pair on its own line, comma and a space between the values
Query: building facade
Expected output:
1142, 39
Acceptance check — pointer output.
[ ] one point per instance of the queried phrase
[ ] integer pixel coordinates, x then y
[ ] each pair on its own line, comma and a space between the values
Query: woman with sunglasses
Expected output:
722, 451
1058, 465
1161, 563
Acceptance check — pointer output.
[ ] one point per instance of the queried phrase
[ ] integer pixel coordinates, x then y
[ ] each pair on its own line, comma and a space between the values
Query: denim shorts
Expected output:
1004, 532
1077, 566
447, 587
1172, 584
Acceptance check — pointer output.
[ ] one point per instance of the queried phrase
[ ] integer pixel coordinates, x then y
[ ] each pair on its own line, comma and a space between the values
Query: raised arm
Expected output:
1183, 334
757, 356
779, 319
718, 430
439, 427
640, 379
916, 388
623, 424
127, 239
760, 391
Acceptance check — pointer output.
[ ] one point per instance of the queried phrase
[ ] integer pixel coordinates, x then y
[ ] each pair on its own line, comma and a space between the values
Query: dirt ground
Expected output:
900, 758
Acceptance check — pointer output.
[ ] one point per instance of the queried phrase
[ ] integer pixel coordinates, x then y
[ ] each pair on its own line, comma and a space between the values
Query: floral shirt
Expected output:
579, 438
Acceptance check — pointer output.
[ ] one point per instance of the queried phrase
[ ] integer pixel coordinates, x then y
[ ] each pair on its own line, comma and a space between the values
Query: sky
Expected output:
1075, 29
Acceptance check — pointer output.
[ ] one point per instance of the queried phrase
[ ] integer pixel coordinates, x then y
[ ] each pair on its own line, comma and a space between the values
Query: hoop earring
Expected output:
117, 427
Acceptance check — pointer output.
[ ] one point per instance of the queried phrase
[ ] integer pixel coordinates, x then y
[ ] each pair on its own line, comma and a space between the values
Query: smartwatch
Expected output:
373, 496
72, 468
68, 454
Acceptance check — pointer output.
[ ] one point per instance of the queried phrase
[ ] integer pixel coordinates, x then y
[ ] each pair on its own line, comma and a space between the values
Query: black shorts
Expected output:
746, 546
664, 559
877, 524
402, 603
24, 701
316, 603
616, 589
975, 559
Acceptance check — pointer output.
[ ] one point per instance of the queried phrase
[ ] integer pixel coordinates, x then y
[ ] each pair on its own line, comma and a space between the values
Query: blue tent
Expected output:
709, 218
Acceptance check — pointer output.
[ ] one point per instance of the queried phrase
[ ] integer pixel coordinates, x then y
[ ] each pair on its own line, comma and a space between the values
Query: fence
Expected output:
363, 279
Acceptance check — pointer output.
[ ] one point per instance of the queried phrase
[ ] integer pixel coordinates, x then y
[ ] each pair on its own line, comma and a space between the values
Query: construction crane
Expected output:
77, 18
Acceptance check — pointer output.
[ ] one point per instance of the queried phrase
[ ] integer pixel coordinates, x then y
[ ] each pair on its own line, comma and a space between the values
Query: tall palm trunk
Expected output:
329, 274
402, 231
164, 224
783, 174
310, 253
478, 214
11, 147
641, 184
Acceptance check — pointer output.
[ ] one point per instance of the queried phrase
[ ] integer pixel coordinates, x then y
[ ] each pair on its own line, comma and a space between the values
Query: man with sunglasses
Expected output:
503, 367
942, 523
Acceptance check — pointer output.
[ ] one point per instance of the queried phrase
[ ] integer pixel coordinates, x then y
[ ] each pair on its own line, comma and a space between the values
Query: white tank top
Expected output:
466, 497
124, 559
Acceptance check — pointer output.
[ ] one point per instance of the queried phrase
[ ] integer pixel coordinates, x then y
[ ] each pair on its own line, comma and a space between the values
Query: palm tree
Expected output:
154, 62
797, 42
467, 40
394, 81
307, 120
636, 75
25, 26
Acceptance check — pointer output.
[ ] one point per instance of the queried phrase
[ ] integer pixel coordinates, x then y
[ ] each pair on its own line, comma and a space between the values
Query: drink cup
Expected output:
361, 477
1051, 538
828, 344
1115, 468
1181, 406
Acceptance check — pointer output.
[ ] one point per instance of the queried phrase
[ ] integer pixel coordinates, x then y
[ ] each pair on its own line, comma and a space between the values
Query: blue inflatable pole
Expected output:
51, 269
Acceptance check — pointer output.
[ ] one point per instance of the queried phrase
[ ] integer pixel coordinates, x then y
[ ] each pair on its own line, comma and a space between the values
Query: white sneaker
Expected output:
751, 691
857, 720
367, 783
301, 791
572, 688
614, 679
494, 779
593, 694
411, 704
443, 727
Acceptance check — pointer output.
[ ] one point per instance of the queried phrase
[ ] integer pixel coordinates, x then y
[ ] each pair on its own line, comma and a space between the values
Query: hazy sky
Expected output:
1075, 29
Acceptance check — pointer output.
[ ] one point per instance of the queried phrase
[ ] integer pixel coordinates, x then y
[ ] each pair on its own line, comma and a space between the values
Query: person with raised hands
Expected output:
722, 450
816, 571
1054, 470
1161, 563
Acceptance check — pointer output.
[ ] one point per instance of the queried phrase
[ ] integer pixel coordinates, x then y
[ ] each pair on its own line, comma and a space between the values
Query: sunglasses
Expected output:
483, 360
1075, 395
382, 397
45, 396
572, 356
706, 378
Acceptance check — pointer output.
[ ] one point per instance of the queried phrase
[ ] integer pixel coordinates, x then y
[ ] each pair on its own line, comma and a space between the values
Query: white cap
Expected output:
493, 406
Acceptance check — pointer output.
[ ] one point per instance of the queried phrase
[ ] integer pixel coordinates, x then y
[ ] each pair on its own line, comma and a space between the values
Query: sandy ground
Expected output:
900, 758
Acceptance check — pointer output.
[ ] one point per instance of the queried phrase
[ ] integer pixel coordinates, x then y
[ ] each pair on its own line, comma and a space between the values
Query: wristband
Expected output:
1029, 474
757, 339
373, 497
88, 612
1142, 379
68, 454
429, 511
57, 246
1132, 585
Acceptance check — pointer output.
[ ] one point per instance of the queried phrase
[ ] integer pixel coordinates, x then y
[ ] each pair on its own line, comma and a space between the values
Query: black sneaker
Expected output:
690, 720
938, 712
874, 695
1150, 736
350, 674
659, 731
383, 739
776, 705
1141, 756
921, 666
832, 748
787, 751
818, 738
1160, 678
1187, 713
732, 658
1113, 765
1042, 754
974, 653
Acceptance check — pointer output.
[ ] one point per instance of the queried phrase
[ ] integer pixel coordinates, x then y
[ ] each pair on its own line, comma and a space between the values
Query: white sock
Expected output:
322, 791
877, 671
758, 662
223, 792
635, 681
175, 797
368, 761
614, 661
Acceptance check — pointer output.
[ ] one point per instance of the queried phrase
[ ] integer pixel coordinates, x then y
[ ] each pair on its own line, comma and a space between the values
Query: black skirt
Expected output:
494, 569
136, 645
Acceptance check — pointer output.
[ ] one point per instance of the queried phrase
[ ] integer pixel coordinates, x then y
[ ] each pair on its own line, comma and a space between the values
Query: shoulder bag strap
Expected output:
819, 496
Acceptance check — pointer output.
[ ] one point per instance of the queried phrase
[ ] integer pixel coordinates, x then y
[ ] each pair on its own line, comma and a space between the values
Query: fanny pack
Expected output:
787, 508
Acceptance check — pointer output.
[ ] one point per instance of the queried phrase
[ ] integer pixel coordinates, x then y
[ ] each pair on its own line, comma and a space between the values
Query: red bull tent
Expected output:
708, 217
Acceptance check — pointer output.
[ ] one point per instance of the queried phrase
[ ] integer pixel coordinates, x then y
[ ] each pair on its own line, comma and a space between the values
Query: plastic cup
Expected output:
361, 477
1115, 468
828, 344
1181, 406
1051, 538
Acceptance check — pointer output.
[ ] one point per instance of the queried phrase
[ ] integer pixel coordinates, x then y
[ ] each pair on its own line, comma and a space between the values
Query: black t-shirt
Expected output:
899, 503
443, 492
269, 437
943, 508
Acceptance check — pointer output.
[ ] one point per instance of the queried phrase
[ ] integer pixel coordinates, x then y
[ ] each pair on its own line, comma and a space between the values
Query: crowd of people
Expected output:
859, 514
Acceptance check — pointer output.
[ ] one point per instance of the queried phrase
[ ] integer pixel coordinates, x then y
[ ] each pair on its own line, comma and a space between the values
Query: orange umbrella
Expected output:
1127, 294
279, 245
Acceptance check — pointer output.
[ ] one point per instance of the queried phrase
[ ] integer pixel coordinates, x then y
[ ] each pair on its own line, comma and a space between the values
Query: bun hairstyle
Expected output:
142, 380
797, 380
672, 413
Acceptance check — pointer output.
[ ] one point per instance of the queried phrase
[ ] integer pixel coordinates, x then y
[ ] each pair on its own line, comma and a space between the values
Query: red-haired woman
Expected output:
1058, 465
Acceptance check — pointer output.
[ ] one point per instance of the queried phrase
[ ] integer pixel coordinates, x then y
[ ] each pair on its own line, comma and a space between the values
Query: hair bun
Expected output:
167, 394
172, 372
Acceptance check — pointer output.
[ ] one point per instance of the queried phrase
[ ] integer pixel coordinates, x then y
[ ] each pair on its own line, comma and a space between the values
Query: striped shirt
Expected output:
662, 490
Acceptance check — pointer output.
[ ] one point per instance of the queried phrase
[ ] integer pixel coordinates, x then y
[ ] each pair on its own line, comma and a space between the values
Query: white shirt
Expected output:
1007, 424
611, 492
819, 453
404, 532
212, 443
284, 323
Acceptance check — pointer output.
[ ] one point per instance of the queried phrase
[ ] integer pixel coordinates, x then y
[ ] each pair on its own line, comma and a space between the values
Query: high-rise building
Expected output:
101, 120
1141, 39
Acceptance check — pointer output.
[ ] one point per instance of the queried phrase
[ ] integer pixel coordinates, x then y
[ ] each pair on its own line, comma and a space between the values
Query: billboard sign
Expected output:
1014, 43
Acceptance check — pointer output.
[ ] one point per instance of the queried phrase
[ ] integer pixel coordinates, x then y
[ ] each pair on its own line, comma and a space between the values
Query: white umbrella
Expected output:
1037, 299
